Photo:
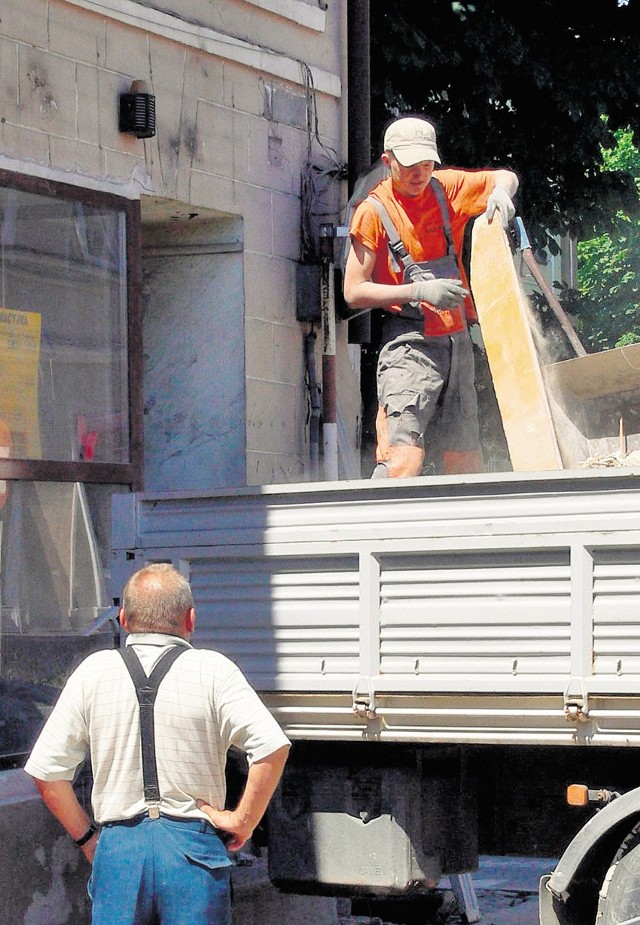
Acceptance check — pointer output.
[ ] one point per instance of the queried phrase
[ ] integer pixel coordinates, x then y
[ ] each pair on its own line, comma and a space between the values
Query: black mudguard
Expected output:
590, 851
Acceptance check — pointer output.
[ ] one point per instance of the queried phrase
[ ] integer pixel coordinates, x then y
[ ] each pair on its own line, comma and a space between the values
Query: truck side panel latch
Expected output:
364, 699
576, 702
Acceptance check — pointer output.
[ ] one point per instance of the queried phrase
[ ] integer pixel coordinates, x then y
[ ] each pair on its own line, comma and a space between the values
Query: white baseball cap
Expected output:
412, 140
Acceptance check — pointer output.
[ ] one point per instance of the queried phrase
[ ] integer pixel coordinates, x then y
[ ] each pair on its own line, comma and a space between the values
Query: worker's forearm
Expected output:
59, 797
367, 294
262, 781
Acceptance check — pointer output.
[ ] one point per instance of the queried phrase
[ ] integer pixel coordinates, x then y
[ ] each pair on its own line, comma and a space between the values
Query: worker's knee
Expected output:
404, 461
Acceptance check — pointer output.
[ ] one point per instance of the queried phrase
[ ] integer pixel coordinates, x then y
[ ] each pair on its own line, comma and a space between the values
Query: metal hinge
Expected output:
576, 701
364, 699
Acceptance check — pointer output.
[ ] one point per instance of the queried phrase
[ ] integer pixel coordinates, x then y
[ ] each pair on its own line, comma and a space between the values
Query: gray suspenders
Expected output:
411, 318
146, 691
402, 258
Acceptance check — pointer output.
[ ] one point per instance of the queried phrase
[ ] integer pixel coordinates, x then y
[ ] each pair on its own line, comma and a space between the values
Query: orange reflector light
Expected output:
577, 795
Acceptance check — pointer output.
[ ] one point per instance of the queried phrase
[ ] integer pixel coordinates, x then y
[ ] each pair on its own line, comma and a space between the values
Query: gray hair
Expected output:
156, 599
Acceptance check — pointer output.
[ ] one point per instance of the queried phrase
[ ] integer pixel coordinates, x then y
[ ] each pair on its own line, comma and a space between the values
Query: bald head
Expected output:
158, 599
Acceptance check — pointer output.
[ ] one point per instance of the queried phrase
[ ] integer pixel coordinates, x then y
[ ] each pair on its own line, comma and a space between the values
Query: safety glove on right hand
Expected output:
441, 293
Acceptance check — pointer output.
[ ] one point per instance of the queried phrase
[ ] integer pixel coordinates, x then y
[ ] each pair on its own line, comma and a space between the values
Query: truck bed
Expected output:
476, 609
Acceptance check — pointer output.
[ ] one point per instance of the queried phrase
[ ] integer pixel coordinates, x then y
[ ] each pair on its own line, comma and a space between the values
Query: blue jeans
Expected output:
160, 872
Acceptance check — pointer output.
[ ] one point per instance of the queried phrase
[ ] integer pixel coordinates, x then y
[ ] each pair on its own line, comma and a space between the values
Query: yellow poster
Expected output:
19, 359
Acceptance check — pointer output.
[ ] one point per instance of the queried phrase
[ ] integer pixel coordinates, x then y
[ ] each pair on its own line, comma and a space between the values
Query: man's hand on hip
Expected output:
441, 293
227, 822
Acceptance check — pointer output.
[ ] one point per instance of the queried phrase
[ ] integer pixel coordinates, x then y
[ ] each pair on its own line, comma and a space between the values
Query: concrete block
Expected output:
120, 165
224, 151
258, 219
90, 117
176, 114
215, 192
286, 226
47, 88
259, 349
23, 143
265, 169
127, 51
168, 62
76, 157
26, 21
110, 86
275, 469
289, 348
285, 106
274, 419
269, 288
202, 83
274, 352
243, 90
154, 165
76, 34
9, 80
205, 77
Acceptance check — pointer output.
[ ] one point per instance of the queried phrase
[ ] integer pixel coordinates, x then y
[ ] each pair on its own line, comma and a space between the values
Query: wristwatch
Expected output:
91, 831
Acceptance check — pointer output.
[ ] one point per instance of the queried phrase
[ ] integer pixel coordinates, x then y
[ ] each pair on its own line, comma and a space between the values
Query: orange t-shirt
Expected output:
419, 223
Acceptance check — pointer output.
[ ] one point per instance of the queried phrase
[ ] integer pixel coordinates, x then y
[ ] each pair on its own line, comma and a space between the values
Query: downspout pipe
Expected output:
358, 90
315, 403
359, 121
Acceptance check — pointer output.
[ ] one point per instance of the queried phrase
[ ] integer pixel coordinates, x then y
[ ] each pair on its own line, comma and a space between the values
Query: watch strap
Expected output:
91, 831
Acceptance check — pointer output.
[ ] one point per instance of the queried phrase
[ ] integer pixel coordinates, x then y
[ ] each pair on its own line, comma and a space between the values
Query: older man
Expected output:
157, 720
405, 258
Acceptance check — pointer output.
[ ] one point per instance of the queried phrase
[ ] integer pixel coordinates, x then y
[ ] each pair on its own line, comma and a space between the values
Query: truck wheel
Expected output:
620, 892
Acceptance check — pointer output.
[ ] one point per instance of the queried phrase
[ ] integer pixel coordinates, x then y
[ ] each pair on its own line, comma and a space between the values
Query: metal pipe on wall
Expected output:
359, 120
328, 319
358, 90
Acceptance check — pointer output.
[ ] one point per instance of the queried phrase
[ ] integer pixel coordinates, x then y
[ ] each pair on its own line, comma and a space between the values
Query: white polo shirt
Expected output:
203, 707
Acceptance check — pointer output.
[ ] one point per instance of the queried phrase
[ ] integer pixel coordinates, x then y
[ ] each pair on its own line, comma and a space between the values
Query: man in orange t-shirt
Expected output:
426, 360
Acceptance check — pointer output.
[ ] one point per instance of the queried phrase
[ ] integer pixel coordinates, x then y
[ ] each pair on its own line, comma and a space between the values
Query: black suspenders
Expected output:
146, 691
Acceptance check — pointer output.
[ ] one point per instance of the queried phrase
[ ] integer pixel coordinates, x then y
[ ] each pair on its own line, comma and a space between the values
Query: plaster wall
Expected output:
248, 92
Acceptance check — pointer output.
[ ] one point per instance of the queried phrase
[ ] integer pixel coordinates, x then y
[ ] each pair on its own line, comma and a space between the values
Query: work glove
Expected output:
441, 293
500, 201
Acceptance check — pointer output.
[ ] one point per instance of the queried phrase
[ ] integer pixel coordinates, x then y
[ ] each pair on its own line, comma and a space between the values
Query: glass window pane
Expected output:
55, 541
63, 314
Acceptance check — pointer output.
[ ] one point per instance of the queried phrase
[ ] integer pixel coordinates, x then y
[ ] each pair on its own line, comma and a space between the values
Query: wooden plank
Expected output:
503, 313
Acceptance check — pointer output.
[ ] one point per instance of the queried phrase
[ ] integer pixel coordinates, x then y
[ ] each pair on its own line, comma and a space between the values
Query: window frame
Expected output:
130, 473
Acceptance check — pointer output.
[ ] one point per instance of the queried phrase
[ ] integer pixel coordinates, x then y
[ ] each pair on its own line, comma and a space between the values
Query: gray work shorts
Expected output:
423, 380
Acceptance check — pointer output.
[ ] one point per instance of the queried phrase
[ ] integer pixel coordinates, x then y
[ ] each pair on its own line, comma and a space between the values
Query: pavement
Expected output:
505, 888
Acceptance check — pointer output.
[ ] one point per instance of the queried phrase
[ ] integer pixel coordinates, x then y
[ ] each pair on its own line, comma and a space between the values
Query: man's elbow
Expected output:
353, 299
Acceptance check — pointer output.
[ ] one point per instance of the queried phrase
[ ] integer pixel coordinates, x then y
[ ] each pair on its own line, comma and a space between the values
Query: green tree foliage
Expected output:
523, 86
607, 304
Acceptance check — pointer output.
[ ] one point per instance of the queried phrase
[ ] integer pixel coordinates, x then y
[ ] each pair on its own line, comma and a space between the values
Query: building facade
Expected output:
164, 170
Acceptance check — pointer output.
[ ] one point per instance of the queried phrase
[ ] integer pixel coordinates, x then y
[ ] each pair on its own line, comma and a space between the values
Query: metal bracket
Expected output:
364, 701
576, 701
110, 616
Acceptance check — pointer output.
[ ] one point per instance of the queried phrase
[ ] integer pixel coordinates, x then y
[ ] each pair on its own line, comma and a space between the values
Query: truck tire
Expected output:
620, 892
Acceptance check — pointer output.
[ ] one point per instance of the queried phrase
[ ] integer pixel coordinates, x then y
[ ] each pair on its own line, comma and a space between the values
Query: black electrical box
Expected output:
308, 292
